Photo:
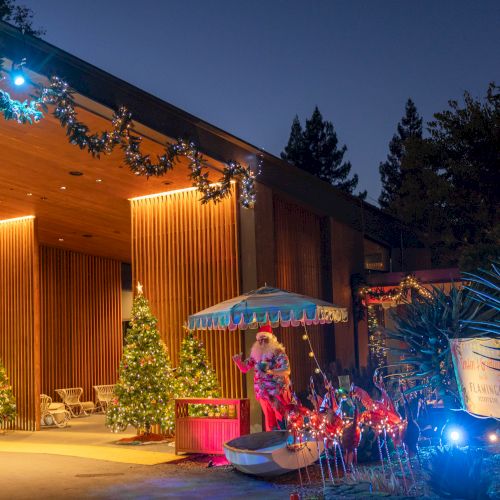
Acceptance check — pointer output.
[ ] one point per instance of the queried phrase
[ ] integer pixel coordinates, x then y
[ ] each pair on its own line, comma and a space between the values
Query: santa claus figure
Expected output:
271, 376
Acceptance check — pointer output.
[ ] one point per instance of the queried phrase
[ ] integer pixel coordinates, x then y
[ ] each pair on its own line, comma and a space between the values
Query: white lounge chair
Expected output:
103, 395
52, 414
71, 398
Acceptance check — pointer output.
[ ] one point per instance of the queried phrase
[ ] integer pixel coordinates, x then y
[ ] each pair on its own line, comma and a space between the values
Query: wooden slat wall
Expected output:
186, 256
81, 330
19, 317
298, 269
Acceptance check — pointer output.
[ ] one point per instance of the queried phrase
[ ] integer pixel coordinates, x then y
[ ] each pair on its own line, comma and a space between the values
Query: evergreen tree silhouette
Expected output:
409, 127
316, 149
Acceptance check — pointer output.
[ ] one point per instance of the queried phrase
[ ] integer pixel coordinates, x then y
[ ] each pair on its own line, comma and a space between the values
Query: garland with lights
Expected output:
376, 339
60, 95
396, 294
21, 112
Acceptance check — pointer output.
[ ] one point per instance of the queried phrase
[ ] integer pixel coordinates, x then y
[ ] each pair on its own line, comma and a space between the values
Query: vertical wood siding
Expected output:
186, 256
81, 328
298, 269
19, 317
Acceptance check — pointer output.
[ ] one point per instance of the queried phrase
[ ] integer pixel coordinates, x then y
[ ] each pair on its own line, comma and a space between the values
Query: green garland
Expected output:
60, 95
22, 112
376, 339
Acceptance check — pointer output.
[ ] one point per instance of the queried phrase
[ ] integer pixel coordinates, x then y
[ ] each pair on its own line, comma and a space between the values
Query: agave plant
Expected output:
484, 289
427, 325
423, 346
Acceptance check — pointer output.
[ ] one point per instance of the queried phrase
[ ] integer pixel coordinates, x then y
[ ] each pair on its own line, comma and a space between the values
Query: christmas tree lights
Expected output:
7, 400
145, 391
195, 377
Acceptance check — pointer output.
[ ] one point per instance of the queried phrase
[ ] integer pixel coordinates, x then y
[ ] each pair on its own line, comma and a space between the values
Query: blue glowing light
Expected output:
19, 80
455, 435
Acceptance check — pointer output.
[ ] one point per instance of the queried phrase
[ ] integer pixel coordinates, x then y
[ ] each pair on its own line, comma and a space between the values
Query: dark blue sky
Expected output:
250, 66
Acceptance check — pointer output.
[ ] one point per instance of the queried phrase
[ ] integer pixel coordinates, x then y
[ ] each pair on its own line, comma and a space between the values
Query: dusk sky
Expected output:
250, 66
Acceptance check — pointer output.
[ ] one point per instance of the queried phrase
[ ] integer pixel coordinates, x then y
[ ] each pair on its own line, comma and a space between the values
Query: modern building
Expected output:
76, 232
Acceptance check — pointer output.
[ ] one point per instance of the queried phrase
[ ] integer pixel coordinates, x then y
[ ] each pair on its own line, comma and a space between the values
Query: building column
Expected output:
347, 259
257, 268
20, 316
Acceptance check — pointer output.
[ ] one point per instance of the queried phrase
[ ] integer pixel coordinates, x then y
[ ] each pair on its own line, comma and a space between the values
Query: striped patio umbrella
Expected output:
267, 305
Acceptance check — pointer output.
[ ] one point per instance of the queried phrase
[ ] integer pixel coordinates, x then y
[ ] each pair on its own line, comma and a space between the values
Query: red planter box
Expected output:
208, 434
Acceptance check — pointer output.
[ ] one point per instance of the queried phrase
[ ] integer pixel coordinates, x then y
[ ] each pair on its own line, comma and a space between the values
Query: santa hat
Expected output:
265, 328
265, 331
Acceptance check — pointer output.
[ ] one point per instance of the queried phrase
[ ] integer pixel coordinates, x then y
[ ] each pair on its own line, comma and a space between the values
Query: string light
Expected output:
376, 338
396, 294
311, 354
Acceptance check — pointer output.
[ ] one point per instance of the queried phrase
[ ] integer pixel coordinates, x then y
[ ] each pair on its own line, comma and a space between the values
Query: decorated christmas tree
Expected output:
195, 376
145, 391
7, 400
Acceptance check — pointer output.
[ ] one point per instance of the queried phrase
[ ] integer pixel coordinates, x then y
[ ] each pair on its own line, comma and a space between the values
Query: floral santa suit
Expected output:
272, 390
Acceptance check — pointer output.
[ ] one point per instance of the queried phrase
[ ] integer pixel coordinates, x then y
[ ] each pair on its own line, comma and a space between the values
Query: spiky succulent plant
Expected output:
424, 329
484, 289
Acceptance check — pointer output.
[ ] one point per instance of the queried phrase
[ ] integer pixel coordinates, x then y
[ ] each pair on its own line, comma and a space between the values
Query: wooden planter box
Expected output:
208, 434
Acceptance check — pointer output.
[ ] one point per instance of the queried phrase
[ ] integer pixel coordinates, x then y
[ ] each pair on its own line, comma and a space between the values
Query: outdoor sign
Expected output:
477, 368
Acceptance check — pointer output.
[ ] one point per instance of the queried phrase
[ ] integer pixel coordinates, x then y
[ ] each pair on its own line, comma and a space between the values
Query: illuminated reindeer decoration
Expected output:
325, 424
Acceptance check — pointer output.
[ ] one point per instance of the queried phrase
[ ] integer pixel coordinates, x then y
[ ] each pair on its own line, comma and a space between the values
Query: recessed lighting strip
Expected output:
169, 193
164, 193
17, 219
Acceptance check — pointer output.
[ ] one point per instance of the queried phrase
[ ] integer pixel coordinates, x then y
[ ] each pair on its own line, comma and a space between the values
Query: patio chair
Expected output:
71, 398
52, 414
103, 395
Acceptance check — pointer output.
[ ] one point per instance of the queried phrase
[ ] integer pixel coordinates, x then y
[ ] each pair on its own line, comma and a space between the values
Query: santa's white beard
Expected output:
265, 350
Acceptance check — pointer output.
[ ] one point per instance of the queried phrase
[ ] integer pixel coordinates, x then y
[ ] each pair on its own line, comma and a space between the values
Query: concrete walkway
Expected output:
86, 437
38, 476
82, 461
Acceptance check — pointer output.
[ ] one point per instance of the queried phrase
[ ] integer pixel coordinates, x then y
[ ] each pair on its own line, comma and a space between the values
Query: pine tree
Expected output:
410, 126
7, 400
195, 376
146, 388
448, 189
294, 150
316, 149
20, 16
467, 138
